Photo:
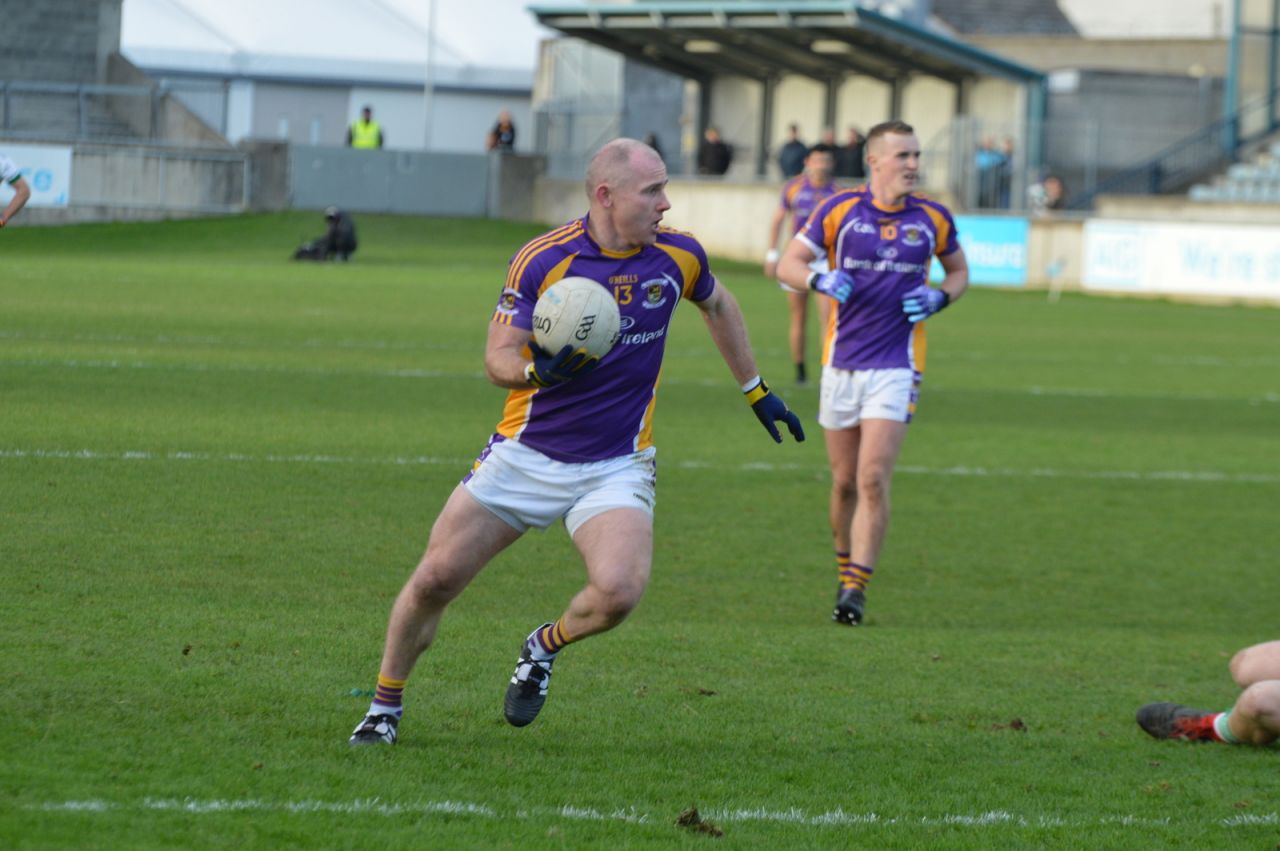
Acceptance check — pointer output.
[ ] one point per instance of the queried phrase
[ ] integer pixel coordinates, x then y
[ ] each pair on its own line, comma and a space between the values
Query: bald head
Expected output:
617, 161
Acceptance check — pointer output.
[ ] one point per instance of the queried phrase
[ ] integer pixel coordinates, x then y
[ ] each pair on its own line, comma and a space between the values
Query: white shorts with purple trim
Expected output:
849, 396
529, 490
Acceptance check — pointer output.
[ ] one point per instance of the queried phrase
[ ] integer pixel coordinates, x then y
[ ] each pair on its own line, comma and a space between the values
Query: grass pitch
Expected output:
217, 467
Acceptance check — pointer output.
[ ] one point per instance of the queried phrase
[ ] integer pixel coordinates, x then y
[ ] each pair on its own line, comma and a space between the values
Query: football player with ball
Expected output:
575, 442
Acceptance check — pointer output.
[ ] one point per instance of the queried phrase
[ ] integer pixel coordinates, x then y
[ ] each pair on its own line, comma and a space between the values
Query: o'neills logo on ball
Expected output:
585, 324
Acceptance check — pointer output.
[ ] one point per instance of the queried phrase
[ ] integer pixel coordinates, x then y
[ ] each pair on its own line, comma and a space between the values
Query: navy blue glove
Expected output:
923, 302
548, 370
837, 283
769, 409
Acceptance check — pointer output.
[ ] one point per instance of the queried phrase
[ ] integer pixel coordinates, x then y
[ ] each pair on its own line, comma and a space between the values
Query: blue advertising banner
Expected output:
47, 171
996, 248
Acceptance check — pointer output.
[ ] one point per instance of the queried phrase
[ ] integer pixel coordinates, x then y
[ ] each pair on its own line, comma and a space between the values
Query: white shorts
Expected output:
816, 266
529, 490
847, 397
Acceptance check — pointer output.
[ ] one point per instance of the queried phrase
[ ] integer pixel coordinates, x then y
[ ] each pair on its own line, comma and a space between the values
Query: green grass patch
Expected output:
218, 466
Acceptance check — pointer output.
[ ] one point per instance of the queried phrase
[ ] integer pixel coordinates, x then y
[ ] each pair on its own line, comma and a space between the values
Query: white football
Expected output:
576, 312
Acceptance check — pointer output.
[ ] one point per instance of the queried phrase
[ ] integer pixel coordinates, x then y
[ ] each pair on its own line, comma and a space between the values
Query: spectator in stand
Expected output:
503, 135
714, 154
849, 157
791, 157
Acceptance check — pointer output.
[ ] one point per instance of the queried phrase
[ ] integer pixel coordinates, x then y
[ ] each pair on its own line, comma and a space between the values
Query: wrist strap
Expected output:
811, 282
946, 298
531, 375
757, 392
771, 256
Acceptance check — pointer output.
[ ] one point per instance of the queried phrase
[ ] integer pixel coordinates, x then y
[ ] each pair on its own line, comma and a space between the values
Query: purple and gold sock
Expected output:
852, 574
549, 640
387, 699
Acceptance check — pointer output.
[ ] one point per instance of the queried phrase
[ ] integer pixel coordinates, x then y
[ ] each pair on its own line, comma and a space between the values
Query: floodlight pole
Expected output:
428, 82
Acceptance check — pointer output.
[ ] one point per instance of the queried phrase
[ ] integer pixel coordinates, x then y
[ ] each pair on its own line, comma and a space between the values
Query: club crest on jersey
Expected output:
655, 291
913, 234
507, 301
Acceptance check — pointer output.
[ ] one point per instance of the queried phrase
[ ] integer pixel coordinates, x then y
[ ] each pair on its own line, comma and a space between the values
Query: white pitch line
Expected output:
311, 344
568, 812
1266, 398
1188, 476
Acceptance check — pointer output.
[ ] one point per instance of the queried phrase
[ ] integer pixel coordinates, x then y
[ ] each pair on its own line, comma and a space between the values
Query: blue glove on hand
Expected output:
769, 409
547, 370
837, 283
923, 302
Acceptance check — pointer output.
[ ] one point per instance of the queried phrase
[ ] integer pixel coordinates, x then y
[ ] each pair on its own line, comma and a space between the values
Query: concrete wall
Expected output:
161, 117
512, 179
388, 181
268, 174
63, 41
128, 176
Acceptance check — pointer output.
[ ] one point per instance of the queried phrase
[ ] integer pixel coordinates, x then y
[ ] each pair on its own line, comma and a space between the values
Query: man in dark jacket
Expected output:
713, 154
791, 156
338, 242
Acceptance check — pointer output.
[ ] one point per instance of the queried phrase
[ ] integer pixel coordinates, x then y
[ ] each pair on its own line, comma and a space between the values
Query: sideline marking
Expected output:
837, 817
1191, 476
1265, 398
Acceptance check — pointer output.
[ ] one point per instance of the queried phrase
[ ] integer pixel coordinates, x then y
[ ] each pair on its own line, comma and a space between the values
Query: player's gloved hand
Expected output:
923, 302
837, 283
769, 409
548, 370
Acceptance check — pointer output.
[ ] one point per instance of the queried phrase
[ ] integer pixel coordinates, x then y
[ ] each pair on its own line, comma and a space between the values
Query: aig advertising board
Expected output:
1234, 261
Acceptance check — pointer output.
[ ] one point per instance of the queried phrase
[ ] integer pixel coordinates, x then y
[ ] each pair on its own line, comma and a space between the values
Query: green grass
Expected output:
217, 467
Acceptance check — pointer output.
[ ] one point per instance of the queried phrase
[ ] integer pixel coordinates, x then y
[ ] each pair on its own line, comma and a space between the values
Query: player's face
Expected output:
895, 163
819, 165
639, 200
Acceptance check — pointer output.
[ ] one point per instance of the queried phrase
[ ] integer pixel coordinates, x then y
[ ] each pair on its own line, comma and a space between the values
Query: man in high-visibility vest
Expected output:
365, 133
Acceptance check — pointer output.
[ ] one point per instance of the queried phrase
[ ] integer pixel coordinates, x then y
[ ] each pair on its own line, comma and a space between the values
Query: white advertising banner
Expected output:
47, 170
1240, 261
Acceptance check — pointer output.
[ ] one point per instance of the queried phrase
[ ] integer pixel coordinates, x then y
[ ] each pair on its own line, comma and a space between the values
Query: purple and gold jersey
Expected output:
800, 198
887, 251
608, 412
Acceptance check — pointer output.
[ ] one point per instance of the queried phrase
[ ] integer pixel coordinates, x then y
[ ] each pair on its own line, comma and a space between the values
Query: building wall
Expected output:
797, 99
303, 115
653, 102
862, 102
735, 112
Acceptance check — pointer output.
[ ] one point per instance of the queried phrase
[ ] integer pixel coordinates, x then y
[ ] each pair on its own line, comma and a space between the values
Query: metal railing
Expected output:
1189, 159
102, 112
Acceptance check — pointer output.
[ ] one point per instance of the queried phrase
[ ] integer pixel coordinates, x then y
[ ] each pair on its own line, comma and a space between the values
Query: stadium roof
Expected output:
821, 39
369, 41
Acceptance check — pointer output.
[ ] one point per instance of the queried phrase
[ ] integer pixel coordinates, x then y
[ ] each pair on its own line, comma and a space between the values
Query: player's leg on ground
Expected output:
877, 454
617, 546
1256, 663
843, 449
798, 305
843, 446
465, 537
1255, 719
